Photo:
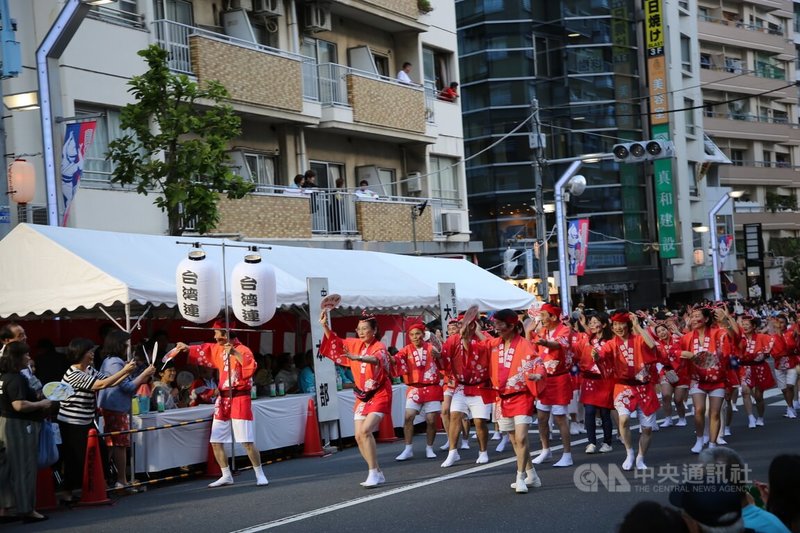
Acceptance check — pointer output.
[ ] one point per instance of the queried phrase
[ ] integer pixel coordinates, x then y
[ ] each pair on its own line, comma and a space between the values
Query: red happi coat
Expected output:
509, 369
787, 359
669, 355
469, 369
752, 351
557, 363
212, 354
420, 372
632, 364
709, 372
370, 378
597, 385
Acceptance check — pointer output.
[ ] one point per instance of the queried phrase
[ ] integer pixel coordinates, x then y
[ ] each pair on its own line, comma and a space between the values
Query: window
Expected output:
444, 178
688, 115
327, 173
382, 64
436, 68
737, 157
96, 166
175, 10
123, 12
686, 53
261, 168
705, 61
322, 51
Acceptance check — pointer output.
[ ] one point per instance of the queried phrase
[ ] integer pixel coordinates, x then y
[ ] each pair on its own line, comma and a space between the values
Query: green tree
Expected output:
791, 277
175, 143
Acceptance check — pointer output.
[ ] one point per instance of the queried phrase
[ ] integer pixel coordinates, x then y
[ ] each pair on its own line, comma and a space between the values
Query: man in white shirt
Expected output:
403, 75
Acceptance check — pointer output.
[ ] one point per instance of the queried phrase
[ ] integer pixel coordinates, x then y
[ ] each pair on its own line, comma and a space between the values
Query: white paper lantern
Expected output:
21, 181
253, 291
198, 284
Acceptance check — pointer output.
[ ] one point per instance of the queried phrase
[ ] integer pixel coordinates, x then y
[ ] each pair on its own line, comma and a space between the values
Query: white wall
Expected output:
117, 210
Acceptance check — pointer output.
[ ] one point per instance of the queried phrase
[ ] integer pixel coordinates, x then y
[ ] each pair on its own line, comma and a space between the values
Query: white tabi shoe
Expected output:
532, 479
483, 458
796, 406
791, 413
545, 456
720, 441
262, 481
520, 486
681, 422
221, 482
496, 435
640, 464
405, 455
464, 444
429, 453
501, 447
726, 432
628, 463
751, 422
373, 480
446, 446
698, 445
566, 460
452, 457
666, 423
760, 422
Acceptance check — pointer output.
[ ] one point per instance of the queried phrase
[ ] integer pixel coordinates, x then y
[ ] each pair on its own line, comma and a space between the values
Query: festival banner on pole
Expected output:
77, 139
577, 242
724, 246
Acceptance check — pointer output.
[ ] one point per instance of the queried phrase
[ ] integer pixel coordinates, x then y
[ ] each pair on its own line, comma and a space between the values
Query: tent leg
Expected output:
114, 320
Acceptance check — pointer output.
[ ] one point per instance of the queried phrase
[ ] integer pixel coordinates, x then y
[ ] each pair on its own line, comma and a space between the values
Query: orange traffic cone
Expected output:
386, 430
45, 490
212, 467
312, 444
94, 483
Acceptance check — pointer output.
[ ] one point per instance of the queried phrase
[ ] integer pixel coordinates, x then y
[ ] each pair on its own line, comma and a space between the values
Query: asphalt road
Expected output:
323, 494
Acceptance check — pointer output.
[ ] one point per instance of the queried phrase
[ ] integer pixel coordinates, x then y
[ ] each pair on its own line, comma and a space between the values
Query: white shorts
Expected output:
645, 421
553, 409
471, 404
448, 392
243, 431
716, 393
510, 423
424, 408
786, 378
364, 417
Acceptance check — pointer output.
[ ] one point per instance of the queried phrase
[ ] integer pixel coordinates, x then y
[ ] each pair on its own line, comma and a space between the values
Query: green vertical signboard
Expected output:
665, 199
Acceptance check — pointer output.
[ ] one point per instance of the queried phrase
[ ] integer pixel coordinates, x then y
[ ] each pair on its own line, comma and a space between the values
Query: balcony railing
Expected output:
333, 213
748, 117
764, 164
333, 84
117, 16
768, 71
739, 24
174, 38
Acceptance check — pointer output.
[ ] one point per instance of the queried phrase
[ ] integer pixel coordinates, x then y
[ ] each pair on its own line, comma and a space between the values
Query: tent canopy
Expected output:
46, 269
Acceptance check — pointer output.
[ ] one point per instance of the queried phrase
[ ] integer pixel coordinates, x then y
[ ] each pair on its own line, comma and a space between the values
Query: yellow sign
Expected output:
654, 27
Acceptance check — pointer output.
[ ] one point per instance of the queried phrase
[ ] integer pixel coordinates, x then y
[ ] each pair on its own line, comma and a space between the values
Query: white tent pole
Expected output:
114, 320
139, 319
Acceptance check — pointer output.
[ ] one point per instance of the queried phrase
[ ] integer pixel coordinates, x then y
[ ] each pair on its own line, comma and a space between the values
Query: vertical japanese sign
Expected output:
448, 306
77, 139
659, 126
324, 368
577, 242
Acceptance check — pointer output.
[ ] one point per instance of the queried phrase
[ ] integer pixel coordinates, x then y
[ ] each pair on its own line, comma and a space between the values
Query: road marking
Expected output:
365, 499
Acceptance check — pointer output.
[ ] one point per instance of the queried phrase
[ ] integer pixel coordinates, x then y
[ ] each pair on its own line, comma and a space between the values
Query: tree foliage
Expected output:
791, 277
175, 142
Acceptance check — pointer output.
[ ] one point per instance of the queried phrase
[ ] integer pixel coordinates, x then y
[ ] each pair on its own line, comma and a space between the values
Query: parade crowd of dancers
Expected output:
508, 370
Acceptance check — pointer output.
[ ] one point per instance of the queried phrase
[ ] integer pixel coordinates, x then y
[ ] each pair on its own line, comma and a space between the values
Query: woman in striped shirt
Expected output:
76, 413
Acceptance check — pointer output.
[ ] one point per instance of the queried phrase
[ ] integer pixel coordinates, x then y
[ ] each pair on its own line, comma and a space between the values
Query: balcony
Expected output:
741, 125
280, 213
749, 82
759, 173
388, 15
355, 100
778, 221
252, 73
737, 33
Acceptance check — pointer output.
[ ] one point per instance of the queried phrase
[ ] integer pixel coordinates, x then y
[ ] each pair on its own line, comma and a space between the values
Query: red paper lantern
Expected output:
21, 181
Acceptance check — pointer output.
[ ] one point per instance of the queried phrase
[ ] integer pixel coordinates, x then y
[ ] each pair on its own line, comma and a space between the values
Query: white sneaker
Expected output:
429, 453
666, 423
405, 455
520, 486
698, 445
628, 464
501, 447
759, 421
720, 441
373, 480
483, 458
496, 435
591, 448
261, 481
751, 422
532, 479
446, 446
791, 413
574, 429
464, 444
726, 432
681, 422
221, 482
566, 460
640, 465
544, 456
452, 457
605, 448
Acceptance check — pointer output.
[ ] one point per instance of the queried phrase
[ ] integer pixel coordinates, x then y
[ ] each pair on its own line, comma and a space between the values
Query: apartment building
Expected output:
585, 62
315, 86
748, 57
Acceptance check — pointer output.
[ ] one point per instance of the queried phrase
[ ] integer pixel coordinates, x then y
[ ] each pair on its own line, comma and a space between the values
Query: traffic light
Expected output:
635, 152
510, 262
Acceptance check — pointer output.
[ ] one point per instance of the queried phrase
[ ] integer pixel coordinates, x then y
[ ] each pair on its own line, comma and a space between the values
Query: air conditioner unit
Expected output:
318, 17
451, 223
414, 182
268, 8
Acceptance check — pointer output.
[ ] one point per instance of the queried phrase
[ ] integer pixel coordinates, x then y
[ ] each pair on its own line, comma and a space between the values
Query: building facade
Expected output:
315, 86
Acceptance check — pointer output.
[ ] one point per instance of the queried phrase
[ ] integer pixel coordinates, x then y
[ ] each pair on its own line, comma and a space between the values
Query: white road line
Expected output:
365, 499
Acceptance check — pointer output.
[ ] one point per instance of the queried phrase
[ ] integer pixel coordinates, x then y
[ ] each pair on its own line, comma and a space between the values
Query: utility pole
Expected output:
537, 144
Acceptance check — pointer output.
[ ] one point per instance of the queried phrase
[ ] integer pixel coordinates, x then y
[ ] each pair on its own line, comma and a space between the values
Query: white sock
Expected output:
259, 470
408, 448
226, 472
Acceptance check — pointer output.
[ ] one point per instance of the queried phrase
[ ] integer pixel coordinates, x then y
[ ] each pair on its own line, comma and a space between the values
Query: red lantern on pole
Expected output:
21, 181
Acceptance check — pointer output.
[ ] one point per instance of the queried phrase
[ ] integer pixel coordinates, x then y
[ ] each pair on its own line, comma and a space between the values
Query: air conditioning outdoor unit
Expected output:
268, 8
414, 182
451, 223
318, 17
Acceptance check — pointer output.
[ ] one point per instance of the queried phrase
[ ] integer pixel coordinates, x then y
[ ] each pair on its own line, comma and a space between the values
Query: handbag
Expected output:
48, 450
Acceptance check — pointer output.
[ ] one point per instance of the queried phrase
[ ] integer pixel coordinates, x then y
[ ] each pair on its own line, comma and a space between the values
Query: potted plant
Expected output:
424, 6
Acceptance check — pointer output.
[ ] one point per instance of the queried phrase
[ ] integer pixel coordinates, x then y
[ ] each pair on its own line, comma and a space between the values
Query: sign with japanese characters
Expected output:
324, 369
447, 304
656, 62
198, 288
253, 291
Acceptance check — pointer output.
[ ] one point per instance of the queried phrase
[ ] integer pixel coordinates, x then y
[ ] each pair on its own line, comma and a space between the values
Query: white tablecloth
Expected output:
279, 422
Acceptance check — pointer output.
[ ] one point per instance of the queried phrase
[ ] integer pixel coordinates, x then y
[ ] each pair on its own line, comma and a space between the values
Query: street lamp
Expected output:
712, 224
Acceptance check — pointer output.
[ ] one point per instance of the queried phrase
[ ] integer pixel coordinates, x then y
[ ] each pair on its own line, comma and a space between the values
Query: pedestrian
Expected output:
233, 409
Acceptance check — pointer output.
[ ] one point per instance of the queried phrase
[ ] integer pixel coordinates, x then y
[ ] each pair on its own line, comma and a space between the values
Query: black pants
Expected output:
590, 413
73, 453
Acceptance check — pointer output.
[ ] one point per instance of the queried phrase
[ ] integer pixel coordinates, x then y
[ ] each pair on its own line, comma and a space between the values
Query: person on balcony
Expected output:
449, 94
403, 76
363, 190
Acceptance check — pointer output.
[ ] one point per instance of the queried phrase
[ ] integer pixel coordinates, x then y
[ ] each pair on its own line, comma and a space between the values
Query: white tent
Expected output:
46, 269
